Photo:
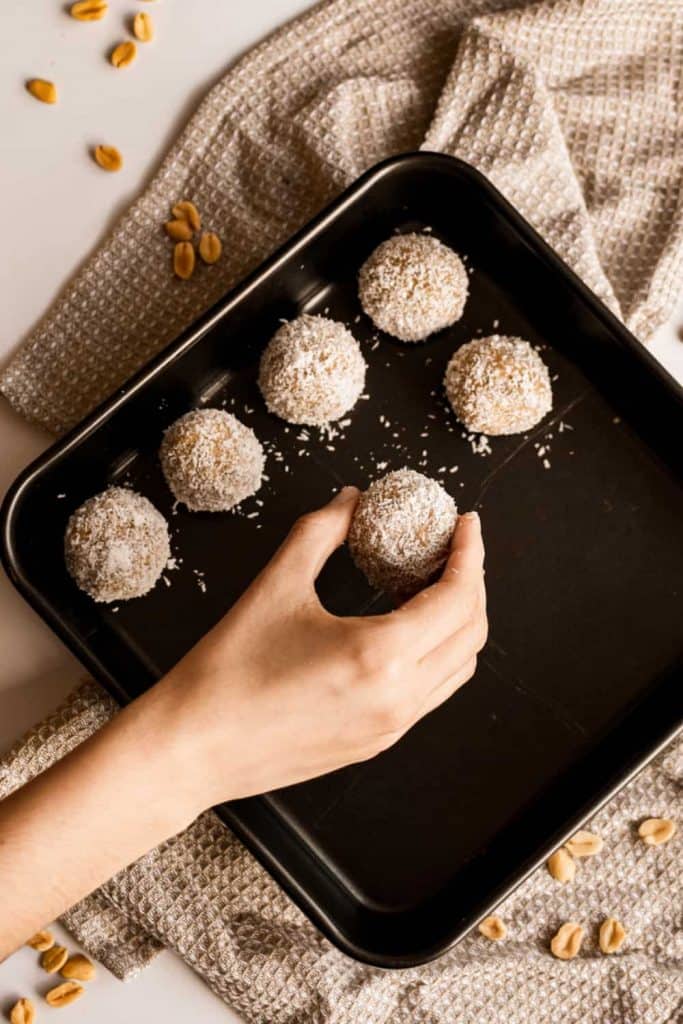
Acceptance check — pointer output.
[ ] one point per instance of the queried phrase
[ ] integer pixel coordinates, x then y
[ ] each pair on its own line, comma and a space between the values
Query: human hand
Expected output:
277, 692
281, 690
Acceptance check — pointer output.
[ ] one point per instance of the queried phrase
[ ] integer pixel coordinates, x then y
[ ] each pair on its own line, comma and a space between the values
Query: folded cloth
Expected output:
571, 107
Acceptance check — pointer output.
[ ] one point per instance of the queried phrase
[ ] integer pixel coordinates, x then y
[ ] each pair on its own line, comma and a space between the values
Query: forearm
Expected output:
100, 808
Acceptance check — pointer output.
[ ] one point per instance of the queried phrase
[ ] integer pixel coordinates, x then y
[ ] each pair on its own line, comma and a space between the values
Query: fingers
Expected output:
401, 691
446, 660
438, 612
316, 535
398, 722
446, 690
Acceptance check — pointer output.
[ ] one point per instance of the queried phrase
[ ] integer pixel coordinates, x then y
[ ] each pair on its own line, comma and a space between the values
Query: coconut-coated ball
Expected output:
116, 545
211, 461
498, 385
312, 371
412, 286
401, 531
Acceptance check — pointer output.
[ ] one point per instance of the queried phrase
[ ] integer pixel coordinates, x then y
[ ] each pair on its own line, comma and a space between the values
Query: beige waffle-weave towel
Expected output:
573, 109
204, 896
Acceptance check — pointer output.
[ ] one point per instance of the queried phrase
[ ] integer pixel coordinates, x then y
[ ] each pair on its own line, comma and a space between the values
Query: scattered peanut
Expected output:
210, 247
79, 968
655, 831
108, 158
88, 10
561, 866
584, 844
186, 210
54, 959
178, 230
23, 1012
62, 995
143, 27
123, 54
41, 941
44, 91
612, 935
566, 942
493, 928
183, 260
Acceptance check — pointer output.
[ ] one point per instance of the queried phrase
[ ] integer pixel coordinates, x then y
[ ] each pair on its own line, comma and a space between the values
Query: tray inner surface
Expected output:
583, 576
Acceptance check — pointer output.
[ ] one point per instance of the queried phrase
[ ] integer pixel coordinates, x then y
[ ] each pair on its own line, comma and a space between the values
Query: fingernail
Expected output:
471, 515
346, 494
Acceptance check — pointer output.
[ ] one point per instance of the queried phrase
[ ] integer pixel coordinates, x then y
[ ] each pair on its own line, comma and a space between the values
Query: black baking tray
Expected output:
580, 683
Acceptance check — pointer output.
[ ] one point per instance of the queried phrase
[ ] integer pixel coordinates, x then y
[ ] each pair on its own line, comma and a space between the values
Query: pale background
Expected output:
56, 206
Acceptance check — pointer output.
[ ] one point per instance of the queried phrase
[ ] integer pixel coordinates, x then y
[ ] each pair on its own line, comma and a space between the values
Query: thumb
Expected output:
316, 535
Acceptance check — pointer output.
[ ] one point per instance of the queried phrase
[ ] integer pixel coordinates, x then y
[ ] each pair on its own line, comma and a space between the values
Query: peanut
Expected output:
584, 844
186, 210
123, 54
655, 831
79, 968
612, 935
178, 230
566, 942
44, 91
493, 928
41, 941
62, 995
108, 158
183, 260
54, 959
210, 247
88, 10
143, 27
23, 1012
561, 866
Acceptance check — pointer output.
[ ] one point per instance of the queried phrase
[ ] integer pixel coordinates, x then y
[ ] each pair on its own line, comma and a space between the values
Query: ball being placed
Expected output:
498, 385
401, 531
312, 371
211, 461
412, 286
116, 545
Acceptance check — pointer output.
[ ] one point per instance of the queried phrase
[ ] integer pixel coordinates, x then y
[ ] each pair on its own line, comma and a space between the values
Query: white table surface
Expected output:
56, 206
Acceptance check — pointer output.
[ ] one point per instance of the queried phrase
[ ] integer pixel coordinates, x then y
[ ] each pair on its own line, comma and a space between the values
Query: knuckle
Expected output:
391, 668
307, 523
470, 668
373, 653
366, 657
474, 601
387, 740
389, 715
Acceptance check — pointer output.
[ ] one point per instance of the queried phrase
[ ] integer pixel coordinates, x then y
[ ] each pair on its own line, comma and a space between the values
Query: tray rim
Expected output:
186, 340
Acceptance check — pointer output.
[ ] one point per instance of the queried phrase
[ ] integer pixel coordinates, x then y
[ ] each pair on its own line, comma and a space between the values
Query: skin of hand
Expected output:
310, 692
278, 692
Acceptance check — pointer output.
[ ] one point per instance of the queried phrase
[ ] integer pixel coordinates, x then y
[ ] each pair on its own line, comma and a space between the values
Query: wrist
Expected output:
145, 752
197, 757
